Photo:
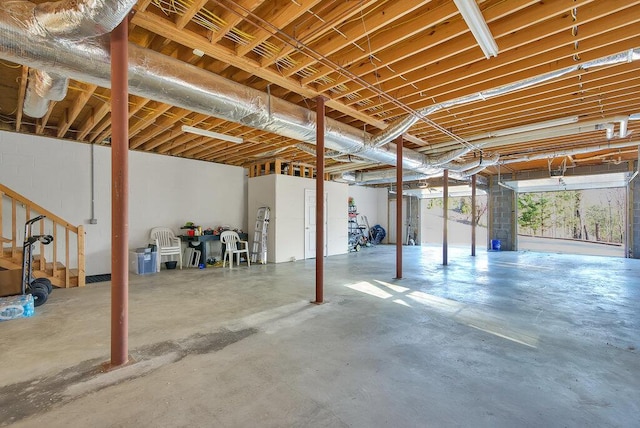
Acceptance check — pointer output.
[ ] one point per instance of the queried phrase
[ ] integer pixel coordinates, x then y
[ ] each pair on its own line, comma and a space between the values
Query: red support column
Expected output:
474, 220
445, 217
319, 200
119, 195
399, 173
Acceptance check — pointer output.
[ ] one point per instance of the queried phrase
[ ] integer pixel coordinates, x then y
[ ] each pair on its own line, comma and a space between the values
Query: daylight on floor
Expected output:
319, 213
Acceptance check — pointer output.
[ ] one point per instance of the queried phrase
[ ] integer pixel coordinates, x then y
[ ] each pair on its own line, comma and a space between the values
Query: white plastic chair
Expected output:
233, 245
167, 244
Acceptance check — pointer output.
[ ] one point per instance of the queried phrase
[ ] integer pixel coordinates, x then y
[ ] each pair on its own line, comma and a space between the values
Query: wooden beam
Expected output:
170, 134
94, 119
380, 17
516, 53
405, 57
21, 92
192, 40
232, 19
182, 20
336, 15
78, 104
277, 17
42, 123
157, 110
166, 122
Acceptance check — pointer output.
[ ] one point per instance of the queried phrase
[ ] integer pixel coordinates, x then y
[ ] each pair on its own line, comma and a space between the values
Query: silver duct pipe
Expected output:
43, 87
569, 152
468, 173
448, 157
623, 127
473, 164
77, 19
401, 125
537, 134
457, 171
69, 19
165, 79
382, 177
335, 155
168, 80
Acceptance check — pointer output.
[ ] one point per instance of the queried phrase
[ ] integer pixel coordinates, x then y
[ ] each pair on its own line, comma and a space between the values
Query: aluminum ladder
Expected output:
259, 249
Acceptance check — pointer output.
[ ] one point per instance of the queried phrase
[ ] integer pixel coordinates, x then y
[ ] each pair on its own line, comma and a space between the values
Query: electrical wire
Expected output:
316, 56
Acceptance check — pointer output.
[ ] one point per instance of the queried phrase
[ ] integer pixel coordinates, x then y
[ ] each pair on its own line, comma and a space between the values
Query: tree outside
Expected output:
590, 215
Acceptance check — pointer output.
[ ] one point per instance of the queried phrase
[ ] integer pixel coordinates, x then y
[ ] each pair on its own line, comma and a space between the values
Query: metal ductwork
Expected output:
457, 171
401, 125
71, 20
570, 152
165, 79
77, 19
42, 88
27, 40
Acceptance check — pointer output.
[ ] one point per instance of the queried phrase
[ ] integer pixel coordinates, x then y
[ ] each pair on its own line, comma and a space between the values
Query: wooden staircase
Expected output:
62, 261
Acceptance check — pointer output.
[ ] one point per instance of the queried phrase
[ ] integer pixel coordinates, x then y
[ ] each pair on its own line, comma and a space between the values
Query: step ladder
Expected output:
364, 220
259, 250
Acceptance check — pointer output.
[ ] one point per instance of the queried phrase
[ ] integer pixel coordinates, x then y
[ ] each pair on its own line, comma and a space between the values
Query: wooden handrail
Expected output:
51, 216
59, 276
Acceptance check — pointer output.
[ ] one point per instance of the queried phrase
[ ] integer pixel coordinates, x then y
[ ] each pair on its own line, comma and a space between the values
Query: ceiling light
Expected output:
635, 116
535, 126
206, 133
198, 52
475, 21
572, 182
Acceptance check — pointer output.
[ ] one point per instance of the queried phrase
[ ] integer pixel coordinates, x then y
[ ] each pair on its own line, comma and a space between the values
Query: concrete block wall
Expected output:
163, 190
502, 214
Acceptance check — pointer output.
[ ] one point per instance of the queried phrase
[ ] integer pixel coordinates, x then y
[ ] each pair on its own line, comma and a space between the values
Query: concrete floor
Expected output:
500, 340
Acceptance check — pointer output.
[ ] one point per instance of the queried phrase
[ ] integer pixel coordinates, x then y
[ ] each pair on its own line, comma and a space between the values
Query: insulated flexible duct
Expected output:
68, 19
156, 76
42, 88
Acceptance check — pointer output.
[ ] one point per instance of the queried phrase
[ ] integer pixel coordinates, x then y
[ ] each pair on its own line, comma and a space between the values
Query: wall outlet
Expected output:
93, 221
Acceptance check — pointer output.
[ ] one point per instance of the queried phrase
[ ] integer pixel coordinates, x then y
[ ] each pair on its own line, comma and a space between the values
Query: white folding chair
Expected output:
233, 246
167, 244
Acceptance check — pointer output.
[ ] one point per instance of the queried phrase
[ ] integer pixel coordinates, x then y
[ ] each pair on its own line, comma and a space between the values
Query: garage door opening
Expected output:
429, 215
573, 215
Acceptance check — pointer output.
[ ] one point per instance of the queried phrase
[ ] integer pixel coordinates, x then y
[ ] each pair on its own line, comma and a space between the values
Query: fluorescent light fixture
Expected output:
570, 182
475, 21
635, 116
535, 126
438, 192
211, 134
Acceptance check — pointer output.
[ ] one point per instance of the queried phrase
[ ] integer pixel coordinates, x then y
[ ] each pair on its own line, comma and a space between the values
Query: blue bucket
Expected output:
495, 244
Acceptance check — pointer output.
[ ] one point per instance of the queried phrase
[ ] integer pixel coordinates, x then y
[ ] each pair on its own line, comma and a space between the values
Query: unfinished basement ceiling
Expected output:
377, 63
585, 182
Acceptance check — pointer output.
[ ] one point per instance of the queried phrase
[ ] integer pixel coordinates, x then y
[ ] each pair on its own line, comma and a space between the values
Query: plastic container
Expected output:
495, 244
171, 264
16, 307
143, 262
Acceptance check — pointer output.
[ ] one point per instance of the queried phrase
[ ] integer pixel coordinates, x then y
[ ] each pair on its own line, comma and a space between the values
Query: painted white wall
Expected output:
163, 190
337, 218
262, 193
372, 202
289, 217
284, 194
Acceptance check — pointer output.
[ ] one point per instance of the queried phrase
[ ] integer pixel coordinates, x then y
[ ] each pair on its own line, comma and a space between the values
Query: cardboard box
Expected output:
10, 282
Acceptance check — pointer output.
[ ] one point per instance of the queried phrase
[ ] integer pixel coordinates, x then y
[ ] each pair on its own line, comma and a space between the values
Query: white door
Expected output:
310, 224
